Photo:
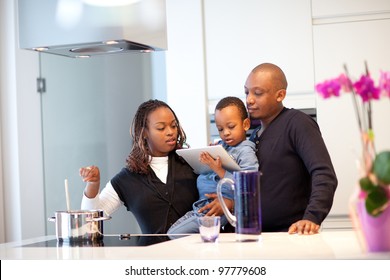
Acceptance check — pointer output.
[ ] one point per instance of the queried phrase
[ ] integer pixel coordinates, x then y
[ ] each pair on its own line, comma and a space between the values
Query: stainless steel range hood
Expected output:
77, 28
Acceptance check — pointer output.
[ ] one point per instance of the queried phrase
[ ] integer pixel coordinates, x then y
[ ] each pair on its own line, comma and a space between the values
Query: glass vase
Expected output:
373, 232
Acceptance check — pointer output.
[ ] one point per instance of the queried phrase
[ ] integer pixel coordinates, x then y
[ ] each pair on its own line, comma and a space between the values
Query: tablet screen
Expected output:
192, 155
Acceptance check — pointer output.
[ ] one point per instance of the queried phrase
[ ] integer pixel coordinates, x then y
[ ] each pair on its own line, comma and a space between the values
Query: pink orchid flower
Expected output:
329, 88
366, 89
345, 82
384, 83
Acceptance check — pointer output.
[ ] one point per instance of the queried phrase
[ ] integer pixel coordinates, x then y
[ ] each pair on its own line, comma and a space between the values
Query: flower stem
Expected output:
370, 130
355, 102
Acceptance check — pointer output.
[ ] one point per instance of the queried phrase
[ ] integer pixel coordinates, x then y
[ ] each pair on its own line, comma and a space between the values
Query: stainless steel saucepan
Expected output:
79, 225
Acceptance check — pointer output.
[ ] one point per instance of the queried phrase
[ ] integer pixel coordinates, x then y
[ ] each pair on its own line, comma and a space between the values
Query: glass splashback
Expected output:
87, 109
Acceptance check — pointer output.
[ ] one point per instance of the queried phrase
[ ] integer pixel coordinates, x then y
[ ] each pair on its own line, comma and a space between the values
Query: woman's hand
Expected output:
214, 208
91, 175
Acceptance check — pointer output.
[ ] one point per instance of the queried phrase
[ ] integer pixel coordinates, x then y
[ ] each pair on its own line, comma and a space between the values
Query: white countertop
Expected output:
325, 245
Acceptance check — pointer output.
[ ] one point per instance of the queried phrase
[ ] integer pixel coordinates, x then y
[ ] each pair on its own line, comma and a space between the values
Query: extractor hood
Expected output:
80, 28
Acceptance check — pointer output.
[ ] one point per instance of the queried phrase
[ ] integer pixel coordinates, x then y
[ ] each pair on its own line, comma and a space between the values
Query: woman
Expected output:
156, 185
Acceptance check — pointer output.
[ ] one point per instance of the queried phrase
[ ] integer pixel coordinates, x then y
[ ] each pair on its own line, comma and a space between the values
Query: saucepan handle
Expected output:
99, 219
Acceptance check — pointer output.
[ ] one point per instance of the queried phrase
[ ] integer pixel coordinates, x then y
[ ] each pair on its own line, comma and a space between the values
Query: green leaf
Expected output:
376, 200
366, 184
381, 167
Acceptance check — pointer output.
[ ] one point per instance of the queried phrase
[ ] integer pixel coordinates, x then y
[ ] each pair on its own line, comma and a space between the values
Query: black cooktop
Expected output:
122, 240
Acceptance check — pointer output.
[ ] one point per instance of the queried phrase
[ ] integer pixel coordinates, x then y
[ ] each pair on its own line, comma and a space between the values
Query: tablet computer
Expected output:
191, 155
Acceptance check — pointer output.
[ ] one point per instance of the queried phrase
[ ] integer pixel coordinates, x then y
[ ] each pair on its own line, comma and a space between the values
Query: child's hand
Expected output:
209, 160
214, 164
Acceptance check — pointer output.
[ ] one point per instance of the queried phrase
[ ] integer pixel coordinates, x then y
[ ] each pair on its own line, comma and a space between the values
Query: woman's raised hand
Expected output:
90, 174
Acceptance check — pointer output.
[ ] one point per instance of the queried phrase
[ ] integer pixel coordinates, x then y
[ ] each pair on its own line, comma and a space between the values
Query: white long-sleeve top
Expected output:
108, 199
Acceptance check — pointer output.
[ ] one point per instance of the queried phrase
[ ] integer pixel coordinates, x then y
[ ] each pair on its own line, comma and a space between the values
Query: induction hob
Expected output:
122, 240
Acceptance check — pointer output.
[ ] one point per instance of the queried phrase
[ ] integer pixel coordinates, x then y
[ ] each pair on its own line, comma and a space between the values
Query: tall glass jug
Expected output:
247, 205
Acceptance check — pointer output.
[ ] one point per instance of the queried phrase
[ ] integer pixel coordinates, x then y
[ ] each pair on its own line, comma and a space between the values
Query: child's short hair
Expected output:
233, 101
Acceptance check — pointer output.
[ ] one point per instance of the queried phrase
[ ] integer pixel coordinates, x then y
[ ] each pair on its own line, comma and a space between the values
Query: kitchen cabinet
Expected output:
343, 8
240, 35
213, 45
351, 43
185, 68
310, 40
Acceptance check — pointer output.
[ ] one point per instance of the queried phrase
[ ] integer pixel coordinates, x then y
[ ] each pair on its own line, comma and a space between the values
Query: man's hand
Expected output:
214, 208
305, 227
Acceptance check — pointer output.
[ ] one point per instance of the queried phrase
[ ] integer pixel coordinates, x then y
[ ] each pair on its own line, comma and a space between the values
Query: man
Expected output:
298, 180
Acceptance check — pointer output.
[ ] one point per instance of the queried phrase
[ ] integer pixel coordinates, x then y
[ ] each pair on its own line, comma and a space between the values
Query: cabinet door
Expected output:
342, 8
242, 34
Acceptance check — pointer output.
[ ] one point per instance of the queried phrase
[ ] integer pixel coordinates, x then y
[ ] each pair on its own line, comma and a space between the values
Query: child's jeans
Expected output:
189, 222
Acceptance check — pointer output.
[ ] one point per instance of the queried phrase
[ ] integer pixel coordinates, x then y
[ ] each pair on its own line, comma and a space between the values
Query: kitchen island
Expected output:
327, 245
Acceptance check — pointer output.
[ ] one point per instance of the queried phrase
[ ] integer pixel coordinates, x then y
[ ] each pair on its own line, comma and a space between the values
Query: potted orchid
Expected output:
374, 185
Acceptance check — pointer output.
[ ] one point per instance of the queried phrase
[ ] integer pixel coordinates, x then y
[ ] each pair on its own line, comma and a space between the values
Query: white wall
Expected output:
6, 35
